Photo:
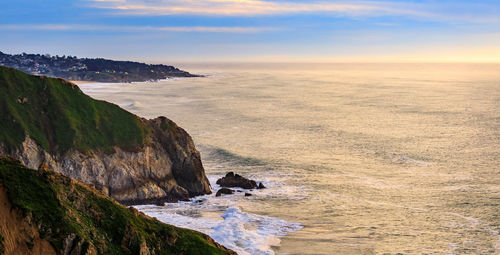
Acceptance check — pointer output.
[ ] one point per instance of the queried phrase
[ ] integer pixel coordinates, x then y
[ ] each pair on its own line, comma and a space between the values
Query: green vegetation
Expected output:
59, 116
62, 207
166, 125
2, 249
90, 69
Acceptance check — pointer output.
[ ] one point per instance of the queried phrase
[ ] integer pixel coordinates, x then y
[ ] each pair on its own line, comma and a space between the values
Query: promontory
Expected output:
90, 69
133, 160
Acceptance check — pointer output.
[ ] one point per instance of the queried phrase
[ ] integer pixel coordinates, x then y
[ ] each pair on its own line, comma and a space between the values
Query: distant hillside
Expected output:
89, 69
44, 212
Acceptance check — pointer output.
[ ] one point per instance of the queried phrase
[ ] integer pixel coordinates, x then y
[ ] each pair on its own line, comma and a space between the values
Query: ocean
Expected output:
356, 158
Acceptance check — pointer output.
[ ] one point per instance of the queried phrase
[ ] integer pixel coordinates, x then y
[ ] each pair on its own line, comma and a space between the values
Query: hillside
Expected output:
59, 116
44, 212
89, 69
134, 160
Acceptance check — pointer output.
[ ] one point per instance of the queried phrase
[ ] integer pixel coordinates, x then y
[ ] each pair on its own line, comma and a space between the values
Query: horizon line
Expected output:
311, 60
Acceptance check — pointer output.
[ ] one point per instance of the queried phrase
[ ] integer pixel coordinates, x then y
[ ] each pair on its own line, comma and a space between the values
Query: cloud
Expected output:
424, 10
239, 7
77, 27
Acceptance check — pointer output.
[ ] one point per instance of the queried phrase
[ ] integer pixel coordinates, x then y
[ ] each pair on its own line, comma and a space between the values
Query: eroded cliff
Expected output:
134, 160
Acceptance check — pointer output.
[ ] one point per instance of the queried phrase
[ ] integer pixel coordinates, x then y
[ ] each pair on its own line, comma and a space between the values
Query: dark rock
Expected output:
44, 168
247, 194
224, 191
232, 180
261, 186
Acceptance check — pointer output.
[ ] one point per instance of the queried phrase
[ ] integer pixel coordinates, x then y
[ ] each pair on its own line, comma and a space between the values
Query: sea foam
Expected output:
222, 219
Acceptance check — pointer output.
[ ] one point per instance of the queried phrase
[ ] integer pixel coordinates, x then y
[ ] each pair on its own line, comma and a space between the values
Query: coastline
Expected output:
178, 166
227, 219
222, 218
83, 82
78, 82
345, 188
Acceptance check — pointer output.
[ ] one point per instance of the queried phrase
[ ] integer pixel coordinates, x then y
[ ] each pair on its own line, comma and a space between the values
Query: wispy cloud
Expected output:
78, 27
241, 7
429, 10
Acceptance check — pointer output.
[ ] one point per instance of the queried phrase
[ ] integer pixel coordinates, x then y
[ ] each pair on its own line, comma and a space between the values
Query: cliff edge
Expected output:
51, 121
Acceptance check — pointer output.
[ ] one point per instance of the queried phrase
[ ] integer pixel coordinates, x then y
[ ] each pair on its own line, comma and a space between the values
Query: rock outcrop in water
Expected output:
133, 160
225, 191
44, 212
232, 180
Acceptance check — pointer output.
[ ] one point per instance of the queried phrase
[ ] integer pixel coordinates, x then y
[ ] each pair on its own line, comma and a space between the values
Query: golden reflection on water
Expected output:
400, 158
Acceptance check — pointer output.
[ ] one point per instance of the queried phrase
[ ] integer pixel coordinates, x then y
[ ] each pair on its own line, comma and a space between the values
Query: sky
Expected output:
162, 31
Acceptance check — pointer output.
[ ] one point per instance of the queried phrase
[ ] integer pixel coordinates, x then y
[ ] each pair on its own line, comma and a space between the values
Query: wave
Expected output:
133, 105
222, 219
249, 233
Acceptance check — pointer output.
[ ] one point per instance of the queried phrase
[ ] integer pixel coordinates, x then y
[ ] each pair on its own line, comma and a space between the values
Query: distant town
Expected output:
89, 69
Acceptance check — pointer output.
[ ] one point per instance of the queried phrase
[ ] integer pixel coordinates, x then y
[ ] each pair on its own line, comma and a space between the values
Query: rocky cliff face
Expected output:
167, 168
133, 160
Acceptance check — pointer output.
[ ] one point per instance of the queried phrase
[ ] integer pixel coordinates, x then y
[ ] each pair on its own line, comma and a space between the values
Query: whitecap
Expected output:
222, 219
242, 232
403, 159
134, 105
249, 233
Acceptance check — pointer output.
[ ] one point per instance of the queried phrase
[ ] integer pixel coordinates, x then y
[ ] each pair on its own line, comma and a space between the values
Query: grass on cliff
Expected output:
59, 116
2, 248
61, 206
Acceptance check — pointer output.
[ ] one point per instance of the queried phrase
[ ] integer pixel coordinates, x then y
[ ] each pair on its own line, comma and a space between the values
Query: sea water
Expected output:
356, 158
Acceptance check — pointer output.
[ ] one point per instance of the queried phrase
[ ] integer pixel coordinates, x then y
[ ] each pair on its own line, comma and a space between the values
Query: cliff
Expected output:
44, 212
133, 160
